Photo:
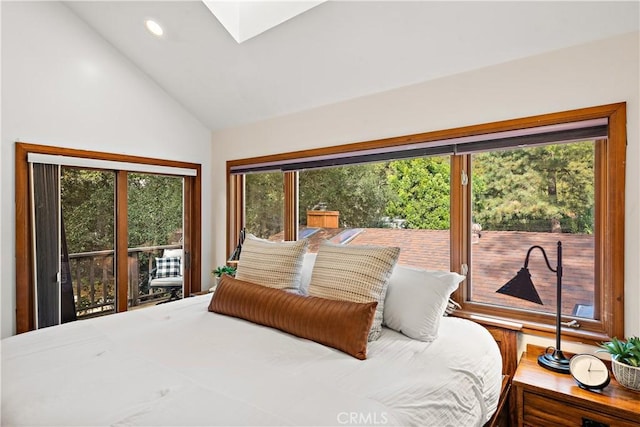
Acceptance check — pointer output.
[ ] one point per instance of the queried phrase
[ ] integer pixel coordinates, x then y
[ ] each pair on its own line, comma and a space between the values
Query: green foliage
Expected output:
541, 188
88, 199
155, 209
535, 188
422, 192
264, 203
358, 192
224, 269
624, 352
88, 204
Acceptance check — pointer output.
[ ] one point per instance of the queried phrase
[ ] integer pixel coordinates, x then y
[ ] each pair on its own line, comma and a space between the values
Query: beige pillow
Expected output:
354, 273
274, 264
342, 325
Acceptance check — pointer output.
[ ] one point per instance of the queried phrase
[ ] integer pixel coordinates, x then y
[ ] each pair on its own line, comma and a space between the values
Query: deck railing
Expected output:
94, 281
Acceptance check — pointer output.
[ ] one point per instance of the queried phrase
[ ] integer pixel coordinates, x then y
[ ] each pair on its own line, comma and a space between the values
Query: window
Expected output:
103, 203
264, 204
535, 196
550, 176
401, 203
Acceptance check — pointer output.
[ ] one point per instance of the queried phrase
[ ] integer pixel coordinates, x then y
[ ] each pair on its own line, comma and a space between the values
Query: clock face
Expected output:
589, 371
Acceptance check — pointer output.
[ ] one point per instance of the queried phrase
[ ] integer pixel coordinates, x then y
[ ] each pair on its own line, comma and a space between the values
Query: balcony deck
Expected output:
93, 280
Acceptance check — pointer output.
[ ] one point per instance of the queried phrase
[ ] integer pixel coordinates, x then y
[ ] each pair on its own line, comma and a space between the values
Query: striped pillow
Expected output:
354, 273
274, 264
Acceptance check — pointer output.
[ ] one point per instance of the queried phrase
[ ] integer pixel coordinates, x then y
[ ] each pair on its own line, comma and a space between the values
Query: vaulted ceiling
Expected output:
337, 50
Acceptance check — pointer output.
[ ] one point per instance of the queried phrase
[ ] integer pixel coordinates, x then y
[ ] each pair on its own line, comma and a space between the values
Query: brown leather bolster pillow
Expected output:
343, 325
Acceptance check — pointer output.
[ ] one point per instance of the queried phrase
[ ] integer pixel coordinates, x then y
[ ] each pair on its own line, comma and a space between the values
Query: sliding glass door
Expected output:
88, 212
155, 233
94, 232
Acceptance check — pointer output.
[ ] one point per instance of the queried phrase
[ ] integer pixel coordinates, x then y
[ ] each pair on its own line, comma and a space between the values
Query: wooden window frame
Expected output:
25, 311
610, 216
609, 236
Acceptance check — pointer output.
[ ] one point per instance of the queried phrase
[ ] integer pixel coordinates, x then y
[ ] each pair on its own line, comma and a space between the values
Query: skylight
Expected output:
346, 236
307, 232
246, 19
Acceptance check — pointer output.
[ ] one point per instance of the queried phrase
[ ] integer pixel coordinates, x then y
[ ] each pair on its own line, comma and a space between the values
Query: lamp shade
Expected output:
521, 287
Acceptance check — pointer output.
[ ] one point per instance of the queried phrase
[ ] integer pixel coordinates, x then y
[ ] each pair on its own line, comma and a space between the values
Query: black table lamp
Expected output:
522, 287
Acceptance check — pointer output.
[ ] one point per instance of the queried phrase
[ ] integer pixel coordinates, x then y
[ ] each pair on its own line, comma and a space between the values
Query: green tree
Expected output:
264, 203
530, 189
422, 191
155, 209
359, 192
88, 205
87, 198
535, 189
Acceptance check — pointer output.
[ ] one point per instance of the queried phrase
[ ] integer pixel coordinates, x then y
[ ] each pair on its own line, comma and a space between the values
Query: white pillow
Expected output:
417, 299
307, 268
172, 253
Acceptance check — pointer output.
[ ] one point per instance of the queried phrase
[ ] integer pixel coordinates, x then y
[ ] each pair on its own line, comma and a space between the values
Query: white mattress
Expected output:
178, 364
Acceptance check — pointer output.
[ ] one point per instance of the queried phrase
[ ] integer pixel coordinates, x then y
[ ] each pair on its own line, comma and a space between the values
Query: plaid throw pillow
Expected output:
167, 267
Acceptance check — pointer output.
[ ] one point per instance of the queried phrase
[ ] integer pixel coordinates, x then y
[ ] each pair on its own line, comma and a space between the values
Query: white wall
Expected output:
63, 85
588, 75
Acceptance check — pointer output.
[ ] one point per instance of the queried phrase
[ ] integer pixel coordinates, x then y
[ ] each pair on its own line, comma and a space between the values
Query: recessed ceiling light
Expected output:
154, 28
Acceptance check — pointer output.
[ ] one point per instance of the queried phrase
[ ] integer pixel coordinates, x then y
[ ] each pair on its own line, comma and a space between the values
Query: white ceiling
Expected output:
337, 50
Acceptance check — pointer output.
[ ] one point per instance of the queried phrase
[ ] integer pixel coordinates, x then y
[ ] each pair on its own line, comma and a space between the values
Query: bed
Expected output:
180, 364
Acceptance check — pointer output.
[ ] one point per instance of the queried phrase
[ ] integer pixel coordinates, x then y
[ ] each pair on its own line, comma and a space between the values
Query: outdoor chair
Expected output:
167, 274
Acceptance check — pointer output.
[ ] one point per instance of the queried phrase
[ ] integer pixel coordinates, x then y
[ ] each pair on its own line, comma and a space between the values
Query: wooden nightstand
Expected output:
546, 398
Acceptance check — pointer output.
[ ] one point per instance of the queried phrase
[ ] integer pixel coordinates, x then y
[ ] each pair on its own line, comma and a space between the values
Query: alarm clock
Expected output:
589, 371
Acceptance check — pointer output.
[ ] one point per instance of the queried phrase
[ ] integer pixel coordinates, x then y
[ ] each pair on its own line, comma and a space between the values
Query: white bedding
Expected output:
178, 364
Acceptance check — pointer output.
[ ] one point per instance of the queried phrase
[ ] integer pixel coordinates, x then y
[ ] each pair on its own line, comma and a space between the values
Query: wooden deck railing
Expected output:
94, 281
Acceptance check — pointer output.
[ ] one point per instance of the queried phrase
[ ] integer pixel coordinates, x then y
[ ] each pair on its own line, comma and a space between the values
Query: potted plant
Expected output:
625, 360
221, 270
